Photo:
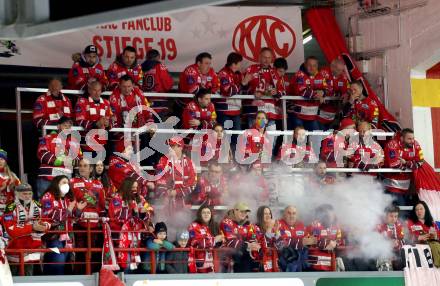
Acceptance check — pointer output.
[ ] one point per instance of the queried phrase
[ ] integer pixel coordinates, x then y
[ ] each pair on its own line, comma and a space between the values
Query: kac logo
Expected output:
256, 32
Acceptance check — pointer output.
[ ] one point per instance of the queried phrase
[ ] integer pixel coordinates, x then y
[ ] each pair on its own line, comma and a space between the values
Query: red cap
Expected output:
345, 123
176, 140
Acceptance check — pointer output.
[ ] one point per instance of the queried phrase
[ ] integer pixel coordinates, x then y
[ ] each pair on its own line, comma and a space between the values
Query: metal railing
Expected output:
138, 131
221, 254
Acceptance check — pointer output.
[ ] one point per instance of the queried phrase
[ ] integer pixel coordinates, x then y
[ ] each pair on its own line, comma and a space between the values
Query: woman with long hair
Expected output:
267, 234
421, 225
129, 214
204, 234
102, 175
58, 207
267, 225
8, 181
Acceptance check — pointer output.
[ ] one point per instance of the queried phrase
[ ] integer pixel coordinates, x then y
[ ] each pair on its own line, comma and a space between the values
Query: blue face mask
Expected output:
261, 123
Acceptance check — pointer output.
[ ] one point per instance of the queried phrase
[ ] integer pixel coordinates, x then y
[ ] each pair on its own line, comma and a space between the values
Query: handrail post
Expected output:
21, 263
284, 105
153, 261
89, 247
215, 257
333, 261
19, 134
275, 260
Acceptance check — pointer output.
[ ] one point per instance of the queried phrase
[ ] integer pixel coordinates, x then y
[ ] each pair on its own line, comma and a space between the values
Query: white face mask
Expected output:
64, 189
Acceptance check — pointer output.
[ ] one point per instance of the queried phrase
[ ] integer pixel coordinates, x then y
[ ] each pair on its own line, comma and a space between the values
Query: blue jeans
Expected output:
309, 125
295, 264
52, 257
42, 185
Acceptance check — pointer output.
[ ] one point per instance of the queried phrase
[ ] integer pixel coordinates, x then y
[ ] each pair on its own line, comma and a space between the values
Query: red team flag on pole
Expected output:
108, 252
428, 188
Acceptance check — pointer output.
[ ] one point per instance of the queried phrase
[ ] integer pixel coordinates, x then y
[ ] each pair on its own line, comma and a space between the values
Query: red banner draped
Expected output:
326, 31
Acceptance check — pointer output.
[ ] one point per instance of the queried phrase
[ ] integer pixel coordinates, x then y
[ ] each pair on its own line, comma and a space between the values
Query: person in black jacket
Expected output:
177, 261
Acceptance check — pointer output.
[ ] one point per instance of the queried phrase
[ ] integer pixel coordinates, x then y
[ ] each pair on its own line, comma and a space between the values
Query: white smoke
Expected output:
359, 204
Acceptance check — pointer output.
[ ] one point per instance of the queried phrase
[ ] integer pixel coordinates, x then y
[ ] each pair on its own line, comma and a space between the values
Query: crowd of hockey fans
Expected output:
75, 192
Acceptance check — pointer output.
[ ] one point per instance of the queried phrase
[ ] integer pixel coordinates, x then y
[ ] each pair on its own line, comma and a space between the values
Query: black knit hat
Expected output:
160, 227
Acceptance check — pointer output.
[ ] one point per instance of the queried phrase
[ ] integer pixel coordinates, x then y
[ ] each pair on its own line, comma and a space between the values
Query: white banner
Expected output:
179, 37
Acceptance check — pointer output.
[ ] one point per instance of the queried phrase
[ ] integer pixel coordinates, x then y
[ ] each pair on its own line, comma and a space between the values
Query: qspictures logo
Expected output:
256, 32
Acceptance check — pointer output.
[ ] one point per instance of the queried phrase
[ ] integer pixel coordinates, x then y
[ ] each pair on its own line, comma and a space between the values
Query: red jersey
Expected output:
92, 192
53, 147
82, 73
256, 143
88, 112
307, 86
293, 154
333, 148
191, 80
121, 168
337, 87
18, 221
264, 79
200, 237
210, 193
238, 234
291, 236
393, 232
157, 79
117, 69
230, 84
178, 175
121, 106
321, 181
366, 155
120, 211
394, 151
206, 116
48, 109
363, 110
321, 258
418, 228
56, 212
9, 180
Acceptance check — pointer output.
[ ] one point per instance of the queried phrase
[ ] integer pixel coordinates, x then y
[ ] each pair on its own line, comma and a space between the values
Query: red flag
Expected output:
108, 252
107, 277
428, 188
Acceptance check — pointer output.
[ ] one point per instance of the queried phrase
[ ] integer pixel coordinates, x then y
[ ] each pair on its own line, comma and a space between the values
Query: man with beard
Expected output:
320, 177
86, 68
241, 235
212, 187
125, 64
403, 152
22, 224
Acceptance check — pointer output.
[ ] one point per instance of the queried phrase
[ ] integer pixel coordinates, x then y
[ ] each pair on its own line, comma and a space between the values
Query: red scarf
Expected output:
130, 237
108, 252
